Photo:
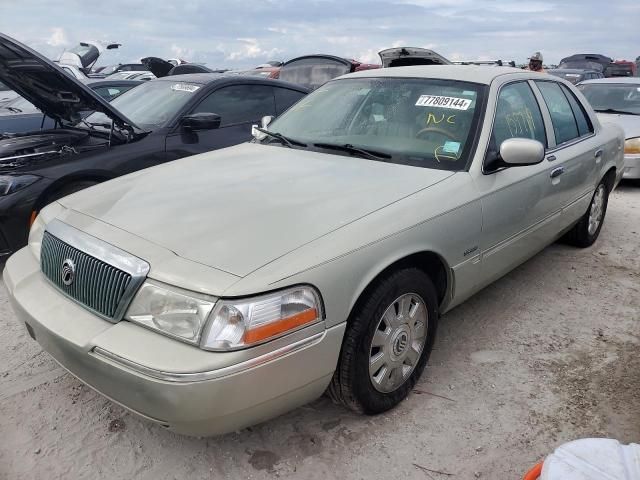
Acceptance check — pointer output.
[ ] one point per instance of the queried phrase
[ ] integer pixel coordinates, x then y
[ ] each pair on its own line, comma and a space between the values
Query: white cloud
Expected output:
58, 38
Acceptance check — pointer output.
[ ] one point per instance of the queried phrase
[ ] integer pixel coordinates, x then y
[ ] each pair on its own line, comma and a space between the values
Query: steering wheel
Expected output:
441, 131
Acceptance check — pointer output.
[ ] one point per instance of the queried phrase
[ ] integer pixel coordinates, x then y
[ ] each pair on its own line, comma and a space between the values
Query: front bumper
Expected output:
176, 385
631, 166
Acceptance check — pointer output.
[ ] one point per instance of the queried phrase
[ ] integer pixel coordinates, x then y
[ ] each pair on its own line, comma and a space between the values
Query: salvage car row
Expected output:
217, 291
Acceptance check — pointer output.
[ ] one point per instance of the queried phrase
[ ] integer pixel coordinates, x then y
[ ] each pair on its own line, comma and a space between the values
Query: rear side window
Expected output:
517, 115
564, 123
584, 124
239, 103
285, 97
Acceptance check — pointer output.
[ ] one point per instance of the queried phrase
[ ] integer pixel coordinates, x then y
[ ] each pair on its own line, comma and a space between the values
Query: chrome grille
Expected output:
97, 285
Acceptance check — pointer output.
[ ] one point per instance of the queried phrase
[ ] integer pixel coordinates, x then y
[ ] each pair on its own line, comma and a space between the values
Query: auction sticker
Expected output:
443, 102
184, 87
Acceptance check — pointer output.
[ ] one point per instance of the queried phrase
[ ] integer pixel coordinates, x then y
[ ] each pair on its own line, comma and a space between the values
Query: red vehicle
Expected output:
621, 68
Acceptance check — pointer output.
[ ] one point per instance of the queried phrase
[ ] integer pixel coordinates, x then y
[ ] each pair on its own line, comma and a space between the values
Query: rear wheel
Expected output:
387, 343
586, 231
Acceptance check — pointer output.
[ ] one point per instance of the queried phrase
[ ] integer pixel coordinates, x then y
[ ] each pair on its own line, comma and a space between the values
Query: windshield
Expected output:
420, 122
150, 105
611, 96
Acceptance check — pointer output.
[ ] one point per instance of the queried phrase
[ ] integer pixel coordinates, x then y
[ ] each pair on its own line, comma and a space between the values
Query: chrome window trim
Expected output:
93, 246
177, 377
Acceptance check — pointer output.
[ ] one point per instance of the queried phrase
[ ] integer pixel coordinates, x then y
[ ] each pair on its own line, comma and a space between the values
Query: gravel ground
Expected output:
545, 355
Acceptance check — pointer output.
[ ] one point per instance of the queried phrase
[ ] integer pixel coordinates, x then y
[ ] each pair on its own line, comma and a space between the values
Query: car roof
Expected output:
629, 80
571, 70
227, 78
467, 73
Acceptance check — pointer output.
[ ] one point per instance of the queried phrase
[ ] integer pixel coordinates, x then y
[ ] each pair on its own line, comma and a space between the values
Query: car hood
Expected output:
240, 208
48, 87
403, 56
629, 123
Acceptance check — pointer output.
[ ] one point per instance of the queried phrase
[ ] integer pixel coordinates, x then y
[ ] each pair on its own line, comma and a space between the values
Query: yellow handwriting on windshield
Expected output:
433, 119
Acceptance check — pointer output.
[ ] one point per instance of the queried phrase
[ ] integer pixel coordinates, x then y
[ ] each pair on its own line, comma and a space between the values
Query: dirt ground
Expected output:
548, 354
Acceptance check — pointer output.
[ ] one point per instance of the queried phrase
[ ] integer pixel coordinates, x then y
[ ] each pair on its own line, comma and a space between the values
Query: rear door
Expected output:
239, 107
574, 151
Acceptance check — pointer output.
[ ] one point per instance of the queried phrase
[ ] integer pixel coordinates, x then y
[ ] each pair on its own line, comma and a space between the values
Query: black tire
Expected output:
68, 190
351, 384
579, 235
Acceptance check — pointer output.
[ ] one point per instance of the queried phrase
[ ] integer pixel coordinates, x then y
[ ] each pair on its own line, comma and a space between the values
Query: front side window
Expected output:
517, 115
239, 103
422, 122
564, 122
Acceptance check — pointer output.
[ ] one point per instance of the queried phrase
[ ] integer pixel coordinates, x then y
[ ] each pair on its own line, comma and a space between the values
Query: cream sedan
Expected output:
218, 291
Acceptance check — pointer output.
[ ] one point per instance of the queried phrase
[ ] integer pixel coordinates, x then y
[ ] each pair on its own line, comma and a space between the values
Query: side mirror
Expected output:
518, 152
264, 123
201, 121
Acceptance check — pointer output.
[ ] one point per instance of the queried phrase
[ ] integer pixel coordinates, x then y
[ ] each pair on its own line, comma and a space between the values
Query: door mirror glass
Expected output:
201, 121
265, 121
521, 151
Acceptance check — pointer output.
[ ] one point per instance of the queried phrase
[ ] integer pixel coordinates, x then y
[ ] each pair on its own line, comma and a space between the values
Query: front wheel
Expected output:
586, 231
387, 343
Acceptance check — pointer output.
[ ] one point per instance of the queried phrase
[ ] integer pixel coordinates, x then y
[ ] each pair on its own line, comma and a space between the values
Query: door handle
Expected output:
598, 153
556, 172
551, 158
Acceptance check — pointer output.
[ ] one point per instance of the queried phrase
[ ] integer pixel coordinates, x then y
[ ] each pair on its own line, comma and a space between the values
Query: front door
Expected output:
517, 217
239, 107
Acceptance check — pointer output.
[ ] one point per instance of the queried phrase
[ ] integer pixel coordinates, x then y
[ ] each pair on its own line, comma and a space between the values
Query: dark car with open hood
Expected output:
158, 121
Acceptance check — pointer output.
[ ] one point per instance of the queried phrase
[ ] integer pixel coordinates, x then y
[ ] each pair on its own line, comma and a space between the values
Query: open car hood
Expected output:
44, 84
159, 67
85, 54
405, 56
312, 71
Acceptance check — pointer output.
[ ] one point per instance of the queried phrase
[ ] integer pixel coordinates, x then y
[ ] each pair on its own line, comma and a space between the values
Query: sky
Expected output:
239, 34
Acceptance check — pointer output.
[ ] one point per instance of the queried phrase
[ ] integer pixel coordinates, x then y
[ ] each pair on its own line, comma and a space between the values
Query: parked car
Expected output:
163, 68
617, 100
85, 55
20, 115
621, 68
120, 67
157, 121
75, 72
405, 56
312, 71
586, 61
575, 75
140, 76
226, 288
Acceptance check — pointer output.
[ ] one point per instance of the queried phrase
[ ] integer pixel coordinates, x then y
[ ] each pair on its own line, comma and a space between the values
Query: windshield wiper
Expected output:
614, 110
289, 142
13, 109
347, 147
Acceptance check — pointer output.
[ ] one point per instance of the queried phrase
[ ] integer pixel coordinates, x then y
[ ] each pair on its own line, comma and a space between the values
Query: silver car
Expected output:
218, 291
617, 100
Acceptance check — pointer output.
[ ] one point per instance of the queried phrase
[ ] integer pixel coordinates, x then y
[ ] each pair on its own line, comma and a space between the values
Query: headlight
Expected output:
35, 235
170, 310
242, 323
13, 183
632, 146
